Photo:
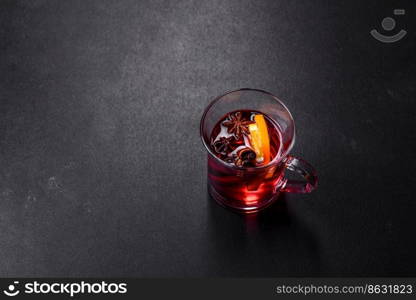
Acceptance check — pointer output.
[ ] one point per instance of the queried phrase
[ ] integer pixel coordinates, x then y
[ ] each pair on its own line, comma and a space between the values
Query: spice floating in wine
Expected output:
245, 138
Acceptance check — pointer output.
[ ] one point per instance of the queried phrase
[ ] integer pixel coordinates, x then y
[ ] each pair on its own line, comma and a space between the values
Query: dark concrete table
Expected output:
102, 172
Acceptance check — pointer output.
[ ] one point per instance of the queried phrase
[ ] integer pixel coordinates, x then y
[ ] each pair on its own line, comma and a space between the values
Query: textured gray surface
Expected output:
102, 172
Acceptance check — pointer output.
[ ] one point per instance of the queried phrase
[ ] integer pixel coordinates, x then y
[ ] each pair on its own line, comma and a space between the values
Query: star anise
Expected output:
224, 145
236, 125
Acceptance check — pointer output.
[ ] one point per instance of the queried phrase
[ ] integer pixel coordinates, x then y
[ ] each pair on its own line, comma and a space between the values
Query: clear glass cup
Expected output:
249, 189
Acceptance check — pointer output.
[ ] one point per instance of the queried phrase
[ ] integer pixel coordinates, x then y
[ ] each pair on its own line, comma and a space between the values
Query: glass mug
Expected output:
250, 189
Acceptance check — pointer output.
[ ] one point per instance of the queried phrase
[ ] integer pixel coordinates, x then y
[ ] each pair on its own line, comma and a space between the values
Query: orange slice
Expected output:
259, 138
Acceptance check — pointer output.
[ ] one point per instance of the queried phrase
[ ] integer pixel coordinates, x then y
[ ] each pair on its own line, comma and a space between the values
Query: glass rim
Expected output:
277, 159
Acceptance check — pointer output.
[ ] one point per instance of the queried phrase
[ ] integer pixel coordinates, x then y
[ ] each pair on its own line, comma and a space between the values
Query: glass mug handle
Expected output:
303, 168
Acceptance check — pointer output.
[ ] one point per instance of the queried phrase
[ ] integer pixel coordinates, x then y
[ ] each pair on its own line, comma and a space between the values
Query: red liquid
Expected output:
249, 187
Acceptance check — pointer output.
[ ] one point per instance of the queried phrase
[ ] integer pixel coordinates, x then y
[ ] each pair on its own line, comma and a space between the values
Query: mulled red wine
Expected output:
247, 141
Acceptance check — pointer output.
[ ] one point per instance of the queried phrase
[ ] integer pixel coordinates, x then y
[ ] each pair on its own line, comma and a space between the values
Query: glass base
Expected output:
242, 208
